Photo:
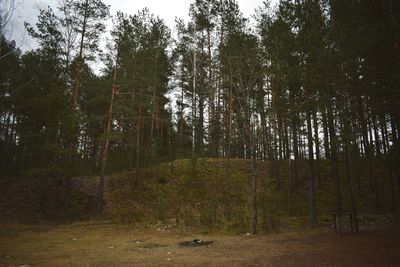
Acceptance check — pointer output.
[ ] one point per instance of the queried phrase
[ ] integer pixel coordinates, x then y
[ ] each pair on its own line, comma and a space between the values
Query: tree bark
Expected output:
313, 213
334, 158
100, 192
80, 60
326, 134
317, 150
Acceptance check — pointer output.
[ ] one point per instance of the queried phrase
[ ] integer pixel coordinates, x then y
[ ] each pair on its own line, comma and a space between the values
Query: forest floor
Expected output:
107, 244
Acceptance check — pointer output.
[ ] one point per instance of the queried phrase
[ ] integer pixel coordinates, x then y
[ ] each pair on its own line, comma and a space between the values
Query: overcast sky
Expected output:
167, 9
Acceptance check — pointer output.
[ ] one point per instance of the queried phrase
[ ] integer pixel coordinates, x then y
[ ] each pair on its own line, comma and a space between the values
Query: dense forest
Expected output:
303, 81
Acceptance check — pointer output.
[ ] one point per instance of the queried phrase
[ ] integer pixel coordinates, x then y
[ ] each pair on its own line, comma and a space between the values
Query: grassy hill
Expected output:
212, 200
173, 194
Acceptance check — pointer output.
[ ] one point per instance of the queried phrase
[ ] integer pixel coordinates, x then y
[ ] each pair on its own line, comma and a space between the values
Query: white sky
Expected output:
167, 9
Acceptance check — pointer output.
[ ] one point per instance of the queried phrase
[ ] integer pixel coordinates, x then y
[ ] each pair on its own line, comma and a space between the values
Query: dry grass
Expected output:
105, 244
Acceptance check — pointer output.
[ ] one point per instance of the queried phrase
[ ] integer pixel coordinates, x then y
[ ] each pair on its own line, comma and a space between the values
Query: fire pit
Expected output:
195, 243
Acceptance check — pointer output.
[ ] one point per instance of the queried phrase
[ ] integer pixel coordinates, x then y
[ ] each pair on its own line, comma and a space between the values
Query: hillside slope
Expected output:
174, 194
212, 199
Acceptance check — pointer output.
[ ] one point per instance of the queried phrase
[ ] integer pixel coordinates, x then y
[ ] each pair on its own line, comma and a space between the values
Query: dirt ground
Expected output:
104, 244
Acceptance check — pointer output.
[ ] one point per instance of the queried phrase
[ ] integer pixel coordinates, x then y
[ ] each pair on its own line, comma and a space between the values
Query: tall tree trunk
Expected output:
80, 60
383, 130
281, 149
138, 146
100, 192
277, 154
171, 148
295, 146
254, 174
181, 120
287, 148
393, 130
313, 213
211, 105
229, 134
326, 134
317, 149
395, 136
386, 144
194, 106
349, 166
74, 104
194, 115
334, 158
200, 121
289, 186
378, 156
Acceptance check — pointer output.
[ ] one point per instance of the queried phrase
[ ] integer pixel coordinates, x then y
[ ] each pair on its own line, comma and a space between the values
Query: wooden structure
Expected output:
337, 221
